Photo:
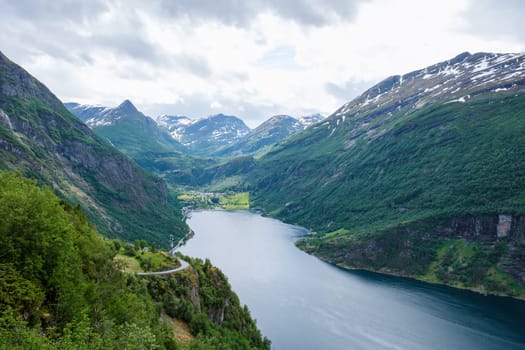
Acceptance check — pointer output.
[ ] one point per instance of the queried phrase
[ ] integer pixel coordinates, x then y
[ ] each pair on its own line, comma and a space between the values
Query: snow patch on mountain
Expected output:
464, 74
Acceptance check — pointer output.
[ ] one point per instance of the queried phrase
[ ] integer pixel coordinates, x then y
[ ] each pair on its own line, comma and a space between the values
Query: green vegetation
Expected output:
60, 287
140, 257
235, 201
53, 147
473, 265
442, 161
209, 200
376, 187
214, 315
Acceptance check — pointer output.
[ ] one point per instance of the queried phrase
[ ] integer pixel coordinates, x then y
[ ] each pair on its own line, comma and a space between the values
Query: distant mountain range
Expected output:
142, 138
173, 146
42, 140
205, 136
269, 133
227, 136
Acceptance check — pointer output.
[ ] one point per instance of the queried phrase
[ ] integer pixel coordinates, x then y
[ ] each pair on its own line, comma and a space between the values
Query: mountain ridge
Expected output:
42, 140
268, 133
431, 147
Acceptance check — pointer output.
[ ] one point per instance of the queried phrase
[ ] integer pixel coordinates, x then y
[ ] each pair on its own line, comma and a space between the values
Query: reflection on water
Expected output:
301, 302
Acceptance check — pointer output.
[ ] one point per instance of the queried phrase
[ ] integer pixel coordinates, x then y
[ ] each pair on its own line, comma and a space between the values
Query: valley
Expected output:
262, 175
421, 176
414, 177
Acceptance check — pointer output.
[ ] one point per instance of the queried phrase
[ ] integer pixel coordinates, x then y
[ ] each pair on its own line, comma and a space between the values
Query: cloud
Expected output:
317, 12
255, 58
348, 90
39, 11
496, 19
74, 30
242, 13
196, 65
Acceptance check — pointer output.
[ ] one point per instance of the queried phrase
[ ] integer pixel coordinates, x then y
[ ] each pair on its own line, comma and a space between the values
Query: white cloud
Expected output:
262, 58
216, 105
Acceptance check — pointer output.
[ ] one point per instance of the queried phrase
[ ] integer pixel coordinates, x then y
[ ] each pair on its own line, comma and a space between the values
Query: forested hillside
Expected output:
62, 289
422, 175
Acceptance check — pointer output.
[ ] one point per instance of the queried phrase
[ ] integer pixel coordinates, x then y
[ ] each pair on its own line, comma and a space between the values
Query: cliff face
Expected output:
41, 139
474, 252
201, 296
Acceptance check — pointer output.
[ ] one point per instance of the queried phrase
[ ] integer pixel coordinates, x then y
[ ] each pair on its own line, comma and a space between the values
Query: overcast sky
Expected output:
248, 58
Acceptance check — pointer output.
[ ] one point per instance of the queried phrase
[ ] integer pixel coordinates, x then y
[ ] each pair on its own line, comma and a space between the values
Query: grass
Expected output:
157, 260
337, 233
235, 201
186, 197
211, 200
145, 261
129, 264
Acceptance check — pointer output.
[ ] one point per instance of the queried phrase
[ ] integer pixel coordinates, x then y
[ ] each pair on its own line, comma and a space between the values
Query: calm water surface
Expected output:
301, 302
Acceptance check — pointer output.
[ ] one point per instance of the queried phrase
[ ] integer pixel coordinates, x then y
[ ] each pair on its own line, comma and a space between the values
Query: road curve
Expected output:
183, 265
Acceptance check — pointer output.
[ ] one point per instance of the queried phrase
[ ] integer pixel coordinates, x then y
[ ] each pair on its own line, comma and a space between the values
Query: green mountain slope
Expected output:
127, 129
408, 173
61, 288
140, 138
42, 140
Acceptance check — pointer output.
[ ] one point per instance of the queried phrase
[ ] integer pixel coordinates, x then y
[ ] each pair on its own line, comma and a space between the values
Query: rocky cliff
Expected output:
482, 253
41, 139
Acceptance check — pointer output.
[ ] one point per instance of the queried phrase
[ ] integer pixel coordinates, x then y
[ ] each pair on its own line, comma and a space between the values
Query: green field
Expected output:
215, 200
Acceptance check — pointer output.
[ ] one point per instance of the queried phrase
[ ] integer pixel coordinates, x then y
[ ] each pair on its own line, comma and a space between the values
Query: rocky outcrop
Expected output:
487, 228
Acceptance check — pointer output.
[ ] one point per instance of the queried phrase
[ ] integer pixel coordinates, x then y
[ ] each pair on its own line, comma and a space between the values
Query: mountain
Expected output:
42, 140
84, 112
149, 144
205, 136
227, 136
126, 128
422, 175
175, 124
308, 120
270, 132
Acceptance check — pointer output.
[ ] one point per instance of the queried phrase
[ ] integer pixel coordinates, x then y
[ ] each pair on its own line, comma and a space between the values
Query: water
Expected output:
301, 302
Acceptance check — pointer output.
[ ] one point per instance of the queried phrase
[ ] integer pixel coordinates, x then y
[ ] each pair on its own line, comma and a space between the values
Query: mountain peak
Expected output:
460, 58
127, 107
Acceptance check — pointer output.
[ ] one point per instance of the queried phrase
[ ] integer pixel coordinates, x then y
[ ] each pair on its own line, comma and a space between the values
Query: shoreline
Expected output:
182, 241
310, 233
387, 273
393, 274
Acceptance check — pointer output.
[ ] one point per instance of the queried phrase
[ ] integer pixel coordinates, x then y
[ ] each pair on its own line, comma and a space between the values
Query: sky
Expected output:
248, 58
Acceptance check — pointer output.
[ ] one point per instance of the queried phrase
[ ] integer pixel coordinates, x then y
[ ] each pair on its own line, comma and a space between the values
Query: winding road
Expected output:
183, 265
